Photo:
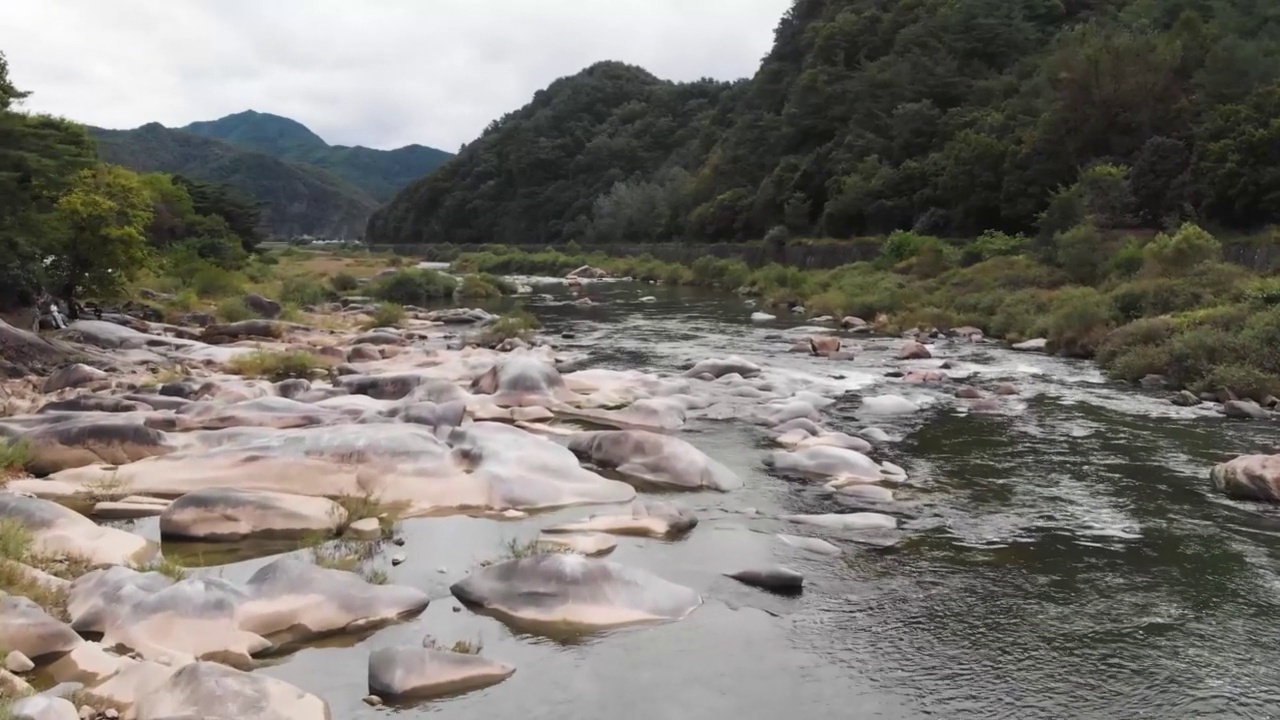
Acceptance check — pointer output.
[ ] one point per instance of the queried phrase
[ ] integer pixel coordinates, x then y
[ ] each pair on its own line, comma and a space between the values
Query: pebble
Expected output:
16, 662
442, 570
398, 541
457, 608
111, 714
372, 700
87, 713
398, 558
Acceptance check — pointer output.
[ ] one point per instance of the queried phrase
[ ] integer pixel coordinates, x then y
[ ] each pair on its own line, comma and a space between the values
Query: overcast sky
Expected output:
380, 73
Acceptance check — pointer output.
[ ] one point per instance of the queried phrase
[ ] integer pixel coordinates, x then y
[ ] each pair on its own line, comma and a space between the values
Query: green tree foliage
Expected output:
38, 157
942, 117
295, 198
97, 234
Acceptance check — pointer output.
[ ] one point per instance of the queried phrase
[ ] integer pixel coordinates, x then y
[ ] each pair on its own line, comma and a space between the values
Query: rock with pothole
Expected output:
648, 518
193, 619
653, 459
575, 591
211, 691
25, 627
292, 601
97, 598
522, 379
414, 673
591, 543
230, 514
776, 579
58, 530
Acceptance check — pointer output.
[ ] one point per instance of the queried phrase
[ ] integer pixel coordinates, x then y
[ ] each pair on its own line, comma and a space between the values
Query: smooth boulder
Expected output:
1249, 477
774, 579
25, 627
575, 591
211, 691
224, 514
648, 518
407, 672
653, 459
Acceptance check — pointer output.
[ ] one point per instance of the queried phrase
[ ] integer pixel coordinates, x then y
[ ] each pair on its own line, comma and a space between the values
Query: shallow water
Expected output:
1063, 559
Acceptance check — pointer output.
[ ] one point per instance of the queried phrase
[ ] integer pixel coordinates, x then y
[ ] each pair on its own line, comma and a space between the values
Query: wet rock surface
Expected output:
318, 516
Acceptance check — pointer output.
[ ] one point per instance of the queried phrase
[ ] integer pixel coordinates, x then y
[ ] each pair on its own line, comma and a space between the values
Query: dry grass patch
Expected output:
277, 366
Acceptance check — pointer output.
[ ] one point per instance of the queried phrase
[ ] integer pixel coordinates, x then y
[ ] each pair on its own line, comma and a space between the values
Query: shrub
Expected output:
484, 285
1195, 354
1263, 291
215, 282
14, 456
234, 310
992, 244
414, 287
1081, 253
1081, 319
301, 290
386, 315
1145, 333
517, 324
1022, 315
1134, 363
1178, 254
344, 282
276, 366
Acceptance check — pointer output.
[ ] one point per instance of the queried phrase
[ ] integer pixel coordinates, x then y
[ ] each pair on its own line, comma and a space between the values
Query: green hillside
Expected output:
297, 199
948, 117
380, 173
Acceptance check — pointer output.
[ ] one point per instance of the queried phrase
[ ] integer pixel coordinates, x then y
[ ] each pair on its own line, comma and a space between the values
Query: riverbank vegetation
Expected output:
1163, 305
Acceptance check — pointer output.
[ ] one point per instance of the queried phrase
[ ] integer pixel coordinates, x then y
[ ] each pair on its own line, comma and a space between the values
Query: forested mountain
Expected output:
949, 117
296, 198
380, 173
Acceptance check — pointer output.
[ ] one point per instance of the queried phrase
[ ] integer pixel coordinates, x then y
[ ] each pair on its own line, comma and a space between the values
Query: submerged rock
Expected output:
1244, 410
407, 672
775, 579
587, 543
577, 591
1249, 477
648, 518
1036, 345
719, 367
849, 521
814, 545
1186, 398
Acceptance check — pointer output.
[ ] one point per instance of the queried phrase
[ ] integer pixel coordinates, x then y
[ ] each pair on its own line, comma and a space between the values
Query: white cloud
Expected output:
381, 73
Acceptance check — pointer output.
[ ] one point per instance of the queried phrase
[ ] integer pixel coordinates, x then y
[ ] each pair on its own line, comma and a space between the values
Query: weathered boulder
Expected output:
96, 599
521, 379
407, 672
375, 338
193, 619
648, 518
574, 590
269, 309
243, 329
653, 459
76, 375
823, 345
818, 546
58, 530
89, 439
850, 322
969, 392
93, 403
914, 351
1185, 398
1036, 345
229, 514
363, 353
1249, 477
25, 627
826, 461
292, 600
587, 272
719, 367
1244, 410
211, 691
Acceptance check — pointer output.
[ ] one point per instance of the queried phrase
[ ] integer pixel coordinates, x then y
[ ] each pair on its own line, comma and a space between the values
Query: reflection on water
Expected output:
1063, 559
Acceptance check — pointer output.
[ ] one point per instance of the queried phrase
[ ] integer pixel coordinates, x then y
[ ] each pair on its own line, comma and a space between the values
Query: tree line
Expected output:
941, 117
73, 227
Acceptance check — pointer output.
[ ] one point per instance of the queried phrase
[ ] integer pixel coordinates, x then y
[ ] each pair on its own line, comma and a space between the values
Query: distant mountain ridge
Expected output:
380, 173
297, 198
306, 186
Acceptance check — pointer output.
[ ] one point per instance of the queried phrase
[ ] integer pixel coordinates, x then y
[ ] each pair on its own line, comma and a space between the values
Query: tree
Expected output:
97, 234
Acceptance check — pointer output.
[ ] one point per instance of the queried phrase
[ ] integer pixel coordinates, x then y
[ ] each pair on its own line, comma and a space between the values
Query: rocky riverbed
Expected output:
662, 505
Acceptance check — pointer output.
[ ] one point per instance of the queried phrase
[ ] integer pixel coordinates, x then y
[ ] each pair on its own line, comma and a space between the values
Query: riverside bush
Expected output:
414, 287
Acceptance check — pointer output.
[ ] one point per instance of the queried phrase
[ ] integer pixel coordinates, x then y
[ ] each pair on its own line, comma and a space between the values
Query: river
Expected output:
1065, 558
